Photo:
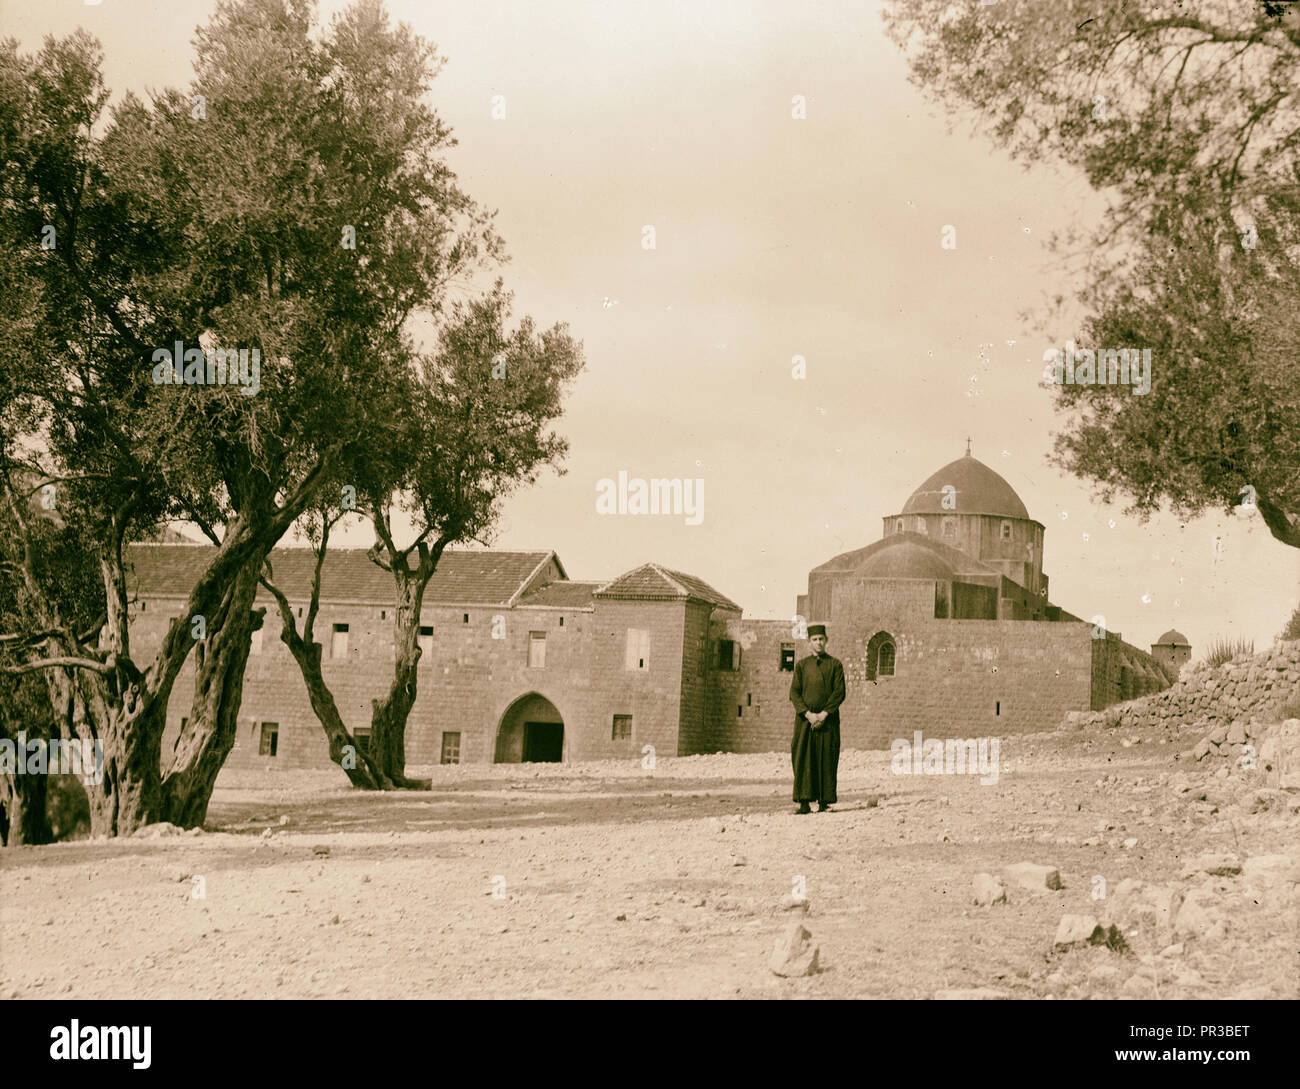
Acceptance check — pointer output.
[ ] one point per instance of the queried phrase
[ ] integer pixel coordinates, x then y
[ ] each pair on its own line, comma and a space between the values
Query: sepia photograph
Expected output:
631, 500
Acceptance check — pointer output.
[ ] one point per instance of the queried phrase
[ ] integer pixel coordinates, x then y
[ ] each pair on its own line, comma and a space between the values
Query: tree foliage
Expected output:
1186, 117
216, 218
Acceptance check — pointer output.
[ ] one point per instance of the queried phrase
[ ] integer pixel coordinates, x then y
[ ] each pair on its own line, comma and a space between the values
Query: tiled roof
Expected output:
565, 592
654, 583
479, 577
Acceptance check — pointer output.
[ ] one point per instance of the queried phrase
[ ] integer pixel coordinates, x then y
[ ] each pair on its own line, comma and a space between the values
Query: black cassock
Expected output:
818, 685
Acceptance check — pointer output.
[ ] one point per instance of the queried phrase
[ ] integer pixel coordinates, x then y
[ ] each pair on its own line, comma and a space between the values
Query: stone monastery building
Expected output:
944, 625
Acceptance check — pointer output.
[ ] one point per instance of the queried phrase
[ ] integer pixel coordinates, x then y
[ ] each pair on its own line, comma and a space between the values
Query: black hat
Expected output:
816, 629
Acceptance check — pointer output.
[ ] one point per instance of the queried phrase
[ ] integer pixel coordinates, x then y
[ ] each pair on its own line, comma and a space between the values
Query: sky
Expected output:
775, 237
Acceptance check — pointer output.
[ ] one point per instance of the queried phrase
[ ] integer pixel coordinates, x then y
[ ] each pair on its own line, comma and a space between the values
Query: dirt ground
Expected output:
607, 880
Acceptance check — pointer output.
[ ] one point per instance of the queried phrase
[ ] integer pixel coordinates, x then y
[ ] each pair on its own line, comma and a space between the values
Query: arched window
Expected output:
880, 656
898, 526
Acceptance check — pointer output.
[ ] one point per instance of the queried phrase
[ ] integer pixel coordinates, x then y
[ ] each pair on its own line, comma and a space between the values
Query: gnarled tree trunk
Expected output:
361, 770
210, 734
388, 715
23, 819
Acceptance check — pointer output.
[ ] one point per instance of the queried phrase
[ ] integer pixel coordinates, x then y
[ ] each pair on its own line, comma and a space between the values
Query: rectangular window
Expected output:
920, 526
269, 740
257, 642
362, 738
728, 655
638, 649
339, 641
1006, 531
450, 748
465, 619
622, 728
561, 621
536, 649
426, 642
787, 657
950, 527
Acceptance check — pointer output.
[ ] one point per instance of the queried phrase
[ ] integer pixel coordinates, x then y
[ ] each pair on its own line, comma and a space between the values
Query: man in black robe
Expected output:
816, 690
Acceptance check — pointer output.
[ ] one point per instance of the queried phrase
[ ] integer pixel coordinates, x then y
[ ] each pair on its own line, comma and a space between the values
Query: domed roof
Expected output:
979, 490
1173, 638
906, 560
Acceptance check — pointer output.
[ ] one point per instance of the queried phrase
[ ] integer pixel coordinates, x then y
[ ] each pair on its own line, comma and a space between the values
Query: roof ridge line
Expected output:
530, 576
665, 574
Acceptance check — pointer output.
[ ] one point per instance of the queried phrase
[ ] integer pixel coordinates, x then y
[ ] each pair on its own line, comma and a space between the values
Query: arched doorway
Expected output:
531, 731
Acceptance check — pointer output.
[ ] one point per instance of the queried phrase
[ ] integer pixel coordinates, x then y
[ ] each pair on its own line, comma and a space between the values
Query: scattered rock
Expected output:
1126, 888
1281, 756
1076, 930
1220, 865
1197, 916
1085, 930
794, 954
1269, 870
969, 994
988, 890
788, 903
1030, 875
158, 831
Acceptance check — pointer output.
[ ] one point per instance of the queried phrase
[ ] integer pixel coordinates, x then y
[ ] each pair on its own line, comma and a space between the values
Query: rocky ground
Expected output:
609, 880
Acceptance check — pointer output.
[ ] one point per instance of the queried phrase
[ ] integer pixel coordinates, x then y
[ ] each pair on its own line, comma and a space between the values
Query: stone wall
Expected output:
470, 681
1122, 672
953, 678
1243, 689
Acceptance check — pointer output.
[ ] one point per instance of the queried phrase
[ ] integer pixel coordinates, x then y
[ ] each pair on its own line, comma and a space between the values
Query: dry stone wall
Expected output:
1236, 707
1246, 688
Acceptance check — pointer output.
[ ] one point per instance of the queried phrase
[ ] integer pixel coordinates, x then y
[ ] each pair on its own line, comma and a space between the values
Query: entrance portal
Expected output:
531, 731
543, 742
